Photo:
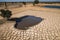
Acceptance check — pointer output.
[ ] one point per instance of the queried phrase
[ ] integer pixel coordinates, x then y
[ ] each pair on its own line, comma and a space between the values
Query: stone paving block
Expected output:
48, 29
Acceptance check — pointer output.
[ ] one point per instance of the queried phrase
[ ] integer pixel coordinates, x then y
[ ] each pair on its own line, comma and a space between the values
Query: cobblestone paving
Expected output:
48, 29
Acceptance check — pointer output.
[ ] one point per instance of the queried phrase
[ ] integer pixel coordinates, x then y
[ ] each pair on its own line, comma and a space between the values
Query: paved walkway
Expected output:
48, 29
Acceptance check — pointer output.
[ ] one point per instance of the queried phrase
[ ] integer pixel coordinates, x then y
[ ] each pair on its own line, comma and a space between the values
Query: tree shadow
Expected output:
17, 19
25, 22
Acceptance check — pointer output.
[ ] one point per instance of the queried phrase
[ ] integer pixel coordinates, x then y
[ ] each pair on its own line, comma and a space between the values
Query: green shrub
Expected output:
6, 13
24, 3
35, 2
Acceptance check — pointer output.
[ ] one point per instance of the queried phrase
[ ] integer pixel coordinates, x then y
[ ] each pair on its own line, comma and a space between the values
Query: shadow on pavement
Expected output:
25, 22
17, 19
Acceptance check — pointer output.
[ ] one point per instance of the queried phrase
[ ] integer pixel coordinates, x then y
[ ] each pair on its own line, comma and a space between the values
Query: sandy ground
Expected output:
47, 29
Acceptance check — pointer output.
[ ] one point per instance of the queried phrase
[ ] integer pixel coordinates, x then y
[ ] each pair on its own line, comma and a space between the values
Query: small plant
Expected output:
35, 2
24, 3
6, 13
